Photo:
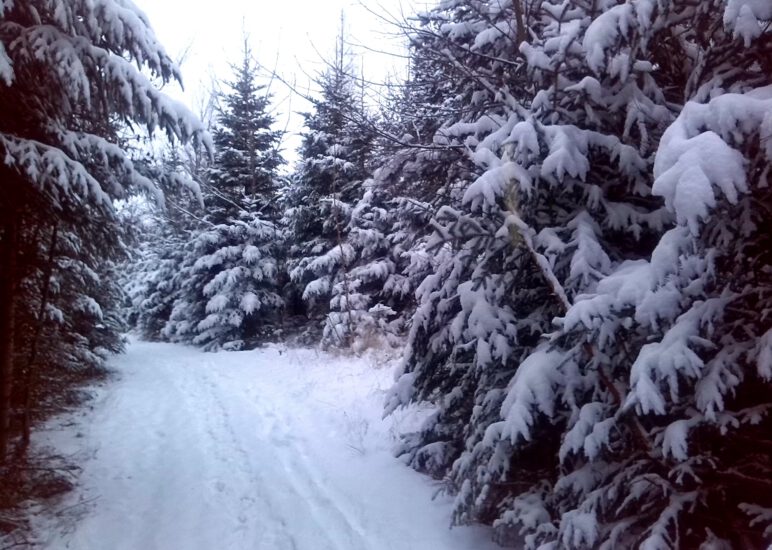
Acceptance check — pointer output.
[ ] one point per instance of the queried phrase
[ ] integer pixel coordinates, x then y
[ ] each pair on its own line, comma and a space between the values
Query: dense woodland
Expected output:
562, 214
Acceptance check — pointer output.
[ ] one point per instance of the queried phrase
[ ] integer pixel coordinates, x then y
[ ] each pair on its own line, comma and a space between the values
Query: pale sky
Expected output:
290, 35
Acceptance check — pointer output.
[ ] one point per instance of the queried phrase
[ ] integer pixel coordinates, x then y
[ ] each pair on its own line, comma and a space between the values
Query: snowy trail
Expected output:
263, 450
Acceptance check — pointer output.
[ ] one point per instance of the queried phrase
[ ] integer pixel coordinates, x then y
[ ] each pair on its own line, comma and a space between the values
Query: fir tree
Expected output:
69, 71
334, 163
230, 278
244, 174
419, 168
575, 308
158, 245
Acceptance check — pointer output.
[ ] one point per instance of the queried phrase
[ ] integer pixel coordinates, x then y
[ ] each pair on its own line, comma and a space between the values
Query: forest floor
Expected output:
271, 449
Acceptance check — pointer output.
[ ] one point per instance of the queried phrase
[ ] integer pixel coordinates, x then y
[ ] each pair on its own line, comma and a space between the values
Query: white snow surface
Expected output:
271, 449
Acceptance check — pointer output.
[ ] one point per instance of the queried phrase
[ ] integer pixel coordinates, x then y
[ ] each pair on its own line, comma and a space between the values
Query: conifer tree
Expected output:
158, 245
152, 277
592, 370
244, 174
229, 281
415, 170
68, 72
361, 298
334, 164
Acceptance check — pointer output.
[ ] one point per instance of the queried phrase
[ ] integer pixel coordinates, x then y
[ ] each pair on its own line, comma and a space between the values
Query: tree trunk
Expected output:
32, 369
8, 256
519, 22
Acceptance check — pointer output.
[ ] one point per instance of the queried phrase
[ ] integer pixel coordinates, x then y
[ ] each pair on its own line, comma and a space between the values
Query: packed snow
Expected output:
272, 449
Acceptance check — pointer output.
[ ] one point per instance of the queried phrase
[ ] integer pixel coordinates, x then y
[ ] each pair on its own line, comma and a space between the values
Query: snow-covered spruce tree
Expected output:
230, 280
334, 164
485, 303
543, 438
661, 370
152, 283
81, 312
360, 315
71, 321
417, 171
247, 157
157, 245
68, 72
228, 285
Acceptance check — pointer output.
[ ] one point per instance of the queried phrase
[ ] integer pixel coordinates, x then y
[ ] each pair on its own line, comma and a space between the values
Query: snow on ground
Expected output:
269, 449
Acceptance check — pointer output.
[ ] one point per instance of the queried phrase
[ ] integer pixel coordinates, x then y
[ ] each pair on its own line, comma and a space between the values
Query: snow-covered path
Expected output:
264, 450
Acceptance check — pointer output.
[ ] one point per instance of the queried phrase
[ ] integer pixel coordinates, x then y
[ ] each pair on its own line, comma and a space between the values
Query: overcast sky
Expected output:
291, 35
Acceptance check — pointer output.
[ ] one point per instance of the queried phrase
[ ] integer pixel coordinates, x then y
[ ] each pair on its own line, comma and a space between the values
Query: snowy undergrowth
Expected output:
268, 449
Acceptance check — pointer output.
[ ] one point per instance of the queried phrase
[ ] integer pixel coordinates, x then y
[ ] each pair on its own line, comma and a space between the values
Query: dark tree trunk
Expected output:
8, 257
32, 367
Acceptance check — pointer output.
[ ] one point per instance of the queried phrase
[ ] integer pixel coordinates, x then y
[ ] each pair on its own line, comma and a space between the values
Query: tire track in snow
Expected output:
243, 488
307, 480
187, 450
269, 453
